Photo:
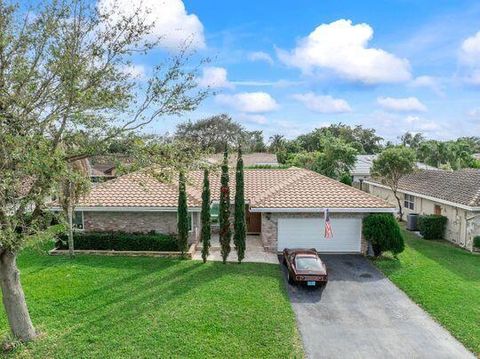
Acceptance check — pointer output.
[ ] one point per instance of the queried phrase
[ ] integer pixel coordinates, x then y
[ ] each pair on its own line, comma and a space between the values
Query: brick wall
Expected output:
143, 222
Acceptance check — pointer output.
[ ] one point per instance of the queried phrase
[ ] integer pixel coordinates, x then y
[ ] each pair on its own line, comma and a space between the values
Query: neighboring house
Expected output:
363, 165
455, 195
284, 206
249, 159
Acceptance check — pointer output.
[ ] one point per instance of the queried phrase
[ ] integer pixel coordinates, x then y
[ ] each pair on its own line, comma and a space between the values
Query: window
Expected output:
437, 210
78, 220
190, 223
409, 202
214, 212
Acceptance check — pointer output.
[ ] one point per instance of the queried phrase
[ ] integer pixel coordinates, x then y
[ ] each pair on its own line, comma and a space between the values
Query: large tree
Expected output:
239, 236
65, 93
336, 159
205, 217
212, 133
224, 210
182, 214
75, 184
391, 165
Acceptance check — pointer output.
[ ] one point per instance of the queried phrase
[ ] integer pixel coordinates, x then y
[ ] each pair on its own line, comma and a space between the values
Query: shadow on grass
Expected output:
136, 285
457, 261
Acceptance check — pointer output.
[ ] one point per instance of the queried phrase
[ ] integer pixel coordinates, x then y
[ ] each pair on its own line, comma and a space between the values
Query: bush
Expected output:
346, 178
476, 242
432, 226
383, 232
119, 241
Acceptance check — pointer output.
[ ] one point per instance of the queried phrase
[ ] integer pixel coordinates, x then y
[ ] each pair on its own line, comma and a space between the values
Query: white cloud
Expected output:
215, 77
474, 113
260, 56
249, 102
170, 20
408, 104
430, 82
252, 118
474, 77
135, 70
323, 104
470, 57
421, 124
342, 48
470, 50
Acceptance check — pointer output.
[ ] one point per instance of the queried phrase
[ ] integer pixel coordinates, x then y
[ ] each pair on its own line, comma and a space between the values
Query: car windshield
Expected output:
308, 263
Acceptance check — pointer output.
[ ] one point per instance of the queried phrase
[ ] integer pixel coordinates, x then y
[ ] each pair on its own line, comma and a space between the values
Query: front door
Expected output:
254, 221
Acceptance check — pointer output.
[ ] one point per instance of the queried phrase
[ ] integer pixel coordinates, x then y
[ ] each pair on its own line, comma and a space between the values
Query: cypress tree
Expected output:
205, 235
224, 211
239, 224
182, 215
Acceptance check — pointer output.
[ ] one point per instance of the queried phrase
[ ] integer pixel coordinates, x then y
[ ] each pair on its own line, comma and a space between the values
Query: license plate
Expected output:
311, 283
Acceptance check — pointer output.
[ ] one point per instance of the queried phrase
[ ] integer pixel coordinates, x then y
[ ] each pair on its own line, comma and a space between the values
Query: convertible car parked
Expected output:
305, 266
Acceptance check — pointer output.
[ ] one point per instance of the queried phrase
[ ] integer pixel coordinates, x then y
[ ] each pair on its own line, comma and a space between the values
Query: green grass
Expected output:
120, 307
444, 280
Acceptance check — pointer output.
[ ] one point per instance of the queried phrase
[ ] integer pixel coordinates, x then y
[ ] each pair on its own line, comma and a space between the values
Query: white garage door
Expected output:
309, 233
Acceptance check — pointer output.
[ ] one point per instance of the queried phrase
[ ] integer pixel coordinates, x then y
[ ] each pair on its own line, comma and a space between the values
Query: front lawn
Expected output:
444, 280
120, 307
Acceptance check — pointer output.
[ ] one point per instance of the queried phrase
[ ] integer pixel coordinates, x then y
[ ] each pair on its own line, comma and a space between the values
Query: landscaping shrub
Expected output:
119, 241
432, 226
383, 232
346, 179
476, 242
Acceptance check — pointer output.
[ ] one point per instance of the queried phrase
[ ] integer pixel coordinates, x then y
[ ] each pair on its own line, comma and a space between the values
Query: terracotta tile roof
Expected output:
311, 190
264, 188
135, 190
462, 187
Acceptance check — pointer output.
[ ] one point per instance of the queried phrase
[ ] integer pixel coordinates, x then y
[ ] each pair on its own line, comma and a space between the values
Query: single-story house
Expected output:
249, 159
363, 165
284, 206
453, 194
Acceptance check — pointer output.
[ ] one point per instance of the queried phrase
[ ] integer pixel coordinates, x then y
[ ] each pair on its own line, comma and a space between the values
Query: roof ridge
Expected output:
273, 190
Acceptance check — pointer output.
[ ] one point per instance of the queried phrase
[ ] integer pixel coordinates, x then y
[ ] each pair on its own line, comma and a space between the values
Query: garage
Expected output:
309, 233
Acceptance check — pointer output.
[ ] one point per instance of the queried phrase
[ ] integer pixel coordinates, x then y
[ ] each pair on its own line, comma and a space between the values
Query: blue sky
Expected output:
288, 67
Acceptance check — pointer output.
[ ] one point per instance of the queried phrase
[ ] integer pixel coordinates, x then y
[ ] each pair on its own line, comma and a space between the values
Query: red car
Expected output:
305, 266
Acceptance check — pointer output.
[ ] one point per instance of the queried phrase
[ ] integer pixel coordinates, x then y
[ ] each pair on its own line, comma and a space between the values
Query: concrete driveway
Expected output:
361, 314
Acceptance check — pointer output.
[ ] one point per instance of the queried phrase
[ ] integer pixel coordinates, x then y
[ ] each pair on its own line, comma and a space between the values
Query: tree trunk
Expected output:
71, 249
400, 211
14, 299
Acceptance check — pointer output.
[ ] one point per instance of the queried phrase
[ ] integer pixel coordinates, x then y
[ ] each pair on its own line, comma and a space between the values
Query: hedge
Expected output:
476, 242
432, 226
119, 241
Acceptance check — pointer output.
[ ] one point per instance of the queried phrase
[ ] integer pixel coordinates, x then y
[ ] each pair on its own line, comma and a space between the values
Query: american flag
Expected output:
328, 225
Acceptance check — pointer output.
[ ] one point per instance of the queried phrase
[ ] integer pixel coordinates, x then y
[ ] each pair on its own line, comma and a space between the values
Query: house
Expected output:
453, 194
363, 165
249, 159
285, 207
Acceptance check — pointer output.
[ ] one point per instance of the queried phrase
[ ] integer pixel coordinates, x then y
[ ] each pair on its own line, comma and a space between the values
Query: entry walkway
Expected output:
254, 251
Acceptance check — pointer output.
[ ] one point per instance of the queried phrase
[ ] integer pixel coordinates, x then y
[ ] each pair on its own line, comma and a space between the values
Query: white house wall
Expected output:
456, 229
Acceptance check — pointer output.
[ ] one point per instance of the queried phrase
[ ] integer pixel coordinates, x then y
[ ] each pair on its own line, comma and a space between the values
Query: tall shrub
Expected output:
224, 211
239, 224
182, 214
205, 216
383, 232
432, 226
